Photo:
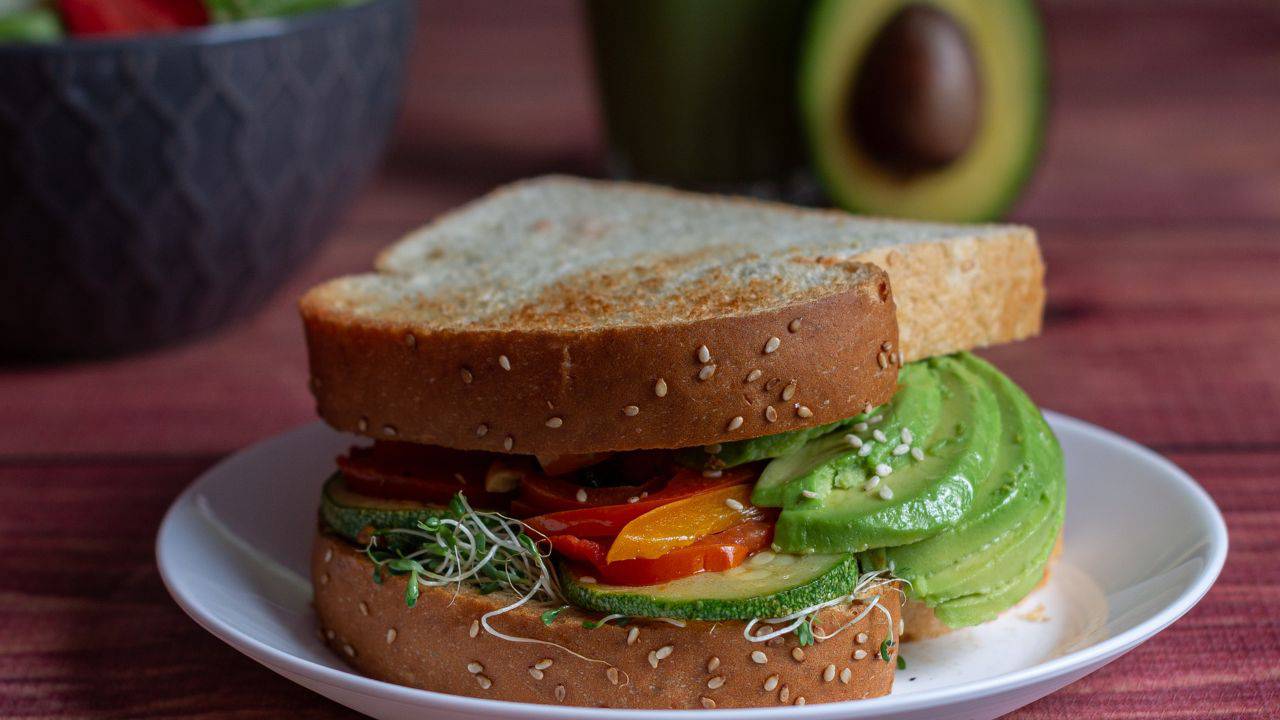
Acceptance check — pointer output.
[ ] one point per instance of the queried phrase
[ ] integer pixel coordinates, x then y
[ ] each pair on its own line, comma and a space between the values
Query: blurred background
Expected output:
1160, 160
1141, 139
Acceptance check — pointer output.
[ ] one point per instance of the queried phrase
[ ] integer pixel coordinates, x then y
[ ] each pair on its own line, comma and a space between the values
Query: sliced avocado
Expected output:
830, 462
985, 606
767, 585
808, 475
998, 562
348, 513
1017, 509
924, 109
927, 495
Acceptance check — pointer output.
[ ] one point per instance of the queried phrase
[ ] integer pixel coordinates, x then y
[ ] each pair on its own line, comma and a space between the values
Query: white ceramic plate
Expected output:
1143, 544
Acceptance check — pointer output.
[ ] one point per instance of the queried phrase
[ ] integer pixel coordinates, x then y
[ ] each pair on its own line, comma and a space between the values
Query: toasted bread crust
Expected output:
921, 623
965, 294
973, 290
577, 391
430, 646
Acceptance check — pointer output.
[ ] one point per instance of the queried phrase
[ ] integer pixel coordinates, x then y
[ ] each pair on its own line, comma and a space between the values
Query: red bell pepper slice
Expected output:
409, 471
581, 550
608, 520
564, 464
713, 553
541, 493
116, 17
636, 473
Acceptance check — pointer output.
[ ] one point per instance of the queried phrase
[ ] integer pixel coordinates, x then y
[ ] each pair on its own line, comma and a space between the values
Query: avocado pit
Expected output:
916, 101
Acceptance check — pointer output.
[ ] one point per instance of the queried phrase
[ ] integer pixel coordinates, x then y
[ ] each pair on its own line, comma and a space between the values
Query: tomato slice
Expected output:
609, 520
425, 473
713, 553
613, 481
546, 494
683, 522
581, 550
114, 17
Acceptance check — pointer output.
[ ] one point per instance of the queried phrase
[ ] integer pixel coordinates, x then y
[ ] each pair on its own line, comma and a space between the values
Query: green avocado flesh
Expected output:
948, 413
1007, 47
348, 513
831, 463
969, 572
970, 525
767, 585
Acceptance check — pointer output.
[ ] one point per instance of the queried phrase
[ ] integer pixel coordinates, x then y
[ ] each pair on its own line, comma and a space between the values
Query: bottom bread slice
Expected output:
440, 644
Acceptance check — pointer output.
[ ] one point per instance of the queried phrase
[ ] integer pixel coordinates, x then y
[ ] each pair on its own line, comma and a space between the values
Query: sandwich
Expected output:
630, 447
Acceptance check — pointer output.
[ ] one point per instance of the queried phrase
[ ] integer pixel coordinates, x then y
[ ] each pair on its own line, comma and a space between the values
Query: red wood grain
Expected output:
1158, 204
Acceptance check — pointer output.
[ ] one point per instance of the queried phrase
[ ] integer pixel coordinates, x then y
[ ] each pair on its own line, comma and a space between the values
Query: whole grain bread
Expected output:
439, 645
560, 315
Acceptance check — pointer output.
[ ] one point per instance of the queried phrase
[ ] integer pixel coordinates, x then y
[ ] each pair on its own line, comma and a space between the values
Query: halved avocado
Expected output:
924, 109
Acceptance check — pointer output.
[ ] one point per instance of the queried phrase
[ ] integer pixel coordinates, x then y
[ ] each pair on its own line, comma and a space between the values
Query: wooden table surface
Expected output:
1158, 205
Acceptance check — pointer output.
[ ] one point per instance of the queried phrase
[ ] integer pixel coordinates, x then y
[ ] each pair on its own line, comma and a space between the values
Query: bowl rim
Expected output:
214, 34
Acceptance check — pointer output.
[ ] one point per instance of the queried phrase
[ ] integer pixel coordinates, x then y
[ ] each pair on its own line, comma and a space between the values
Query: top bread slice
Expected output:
560, 315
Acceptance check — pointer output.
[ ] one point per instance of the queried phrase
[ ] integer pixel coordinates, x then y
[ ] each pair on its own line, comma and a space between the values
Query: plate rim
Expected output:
1086, 658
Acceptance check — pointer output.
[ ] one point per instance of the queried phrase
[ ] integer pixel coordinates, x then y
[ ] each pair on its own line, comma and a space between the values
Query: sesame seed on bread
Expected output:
543, 317
439, 645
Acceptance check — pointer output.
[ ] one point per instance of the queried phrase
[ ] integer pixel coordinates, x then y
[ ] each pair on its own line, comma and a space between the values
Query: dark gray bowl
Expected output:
154, 187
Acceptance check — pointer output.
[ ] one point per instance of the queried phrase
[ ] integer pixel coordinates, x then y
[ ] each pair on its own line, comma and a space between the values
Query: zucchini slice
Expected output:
348, 513
767, 585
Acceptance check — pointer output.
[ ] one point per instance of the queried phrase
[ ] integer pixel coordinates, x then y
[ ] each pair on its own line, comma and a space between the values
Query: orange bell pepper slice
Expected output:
683, 522
606, 521
713, 553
